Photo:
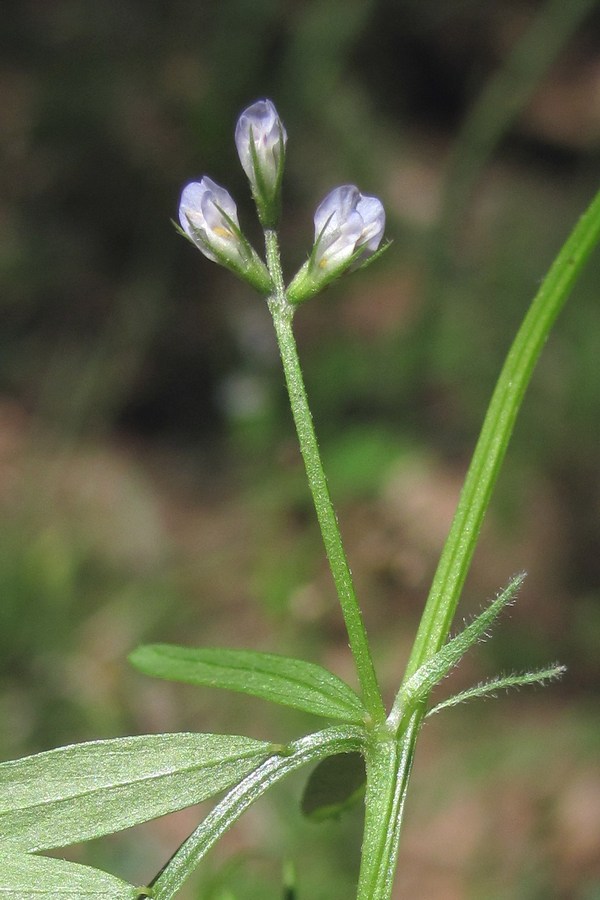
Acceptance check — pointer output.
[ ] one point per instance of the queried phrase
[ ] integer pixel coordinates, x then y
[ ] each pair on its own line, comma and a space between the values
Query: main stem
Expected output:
282, 312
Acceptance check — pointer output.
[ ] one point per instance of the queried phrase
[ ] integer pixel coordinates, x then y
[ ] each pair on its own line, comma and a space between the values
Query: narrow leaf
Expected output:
26, 877
82, 791
334, 786
501, 683
280, 679
420, 684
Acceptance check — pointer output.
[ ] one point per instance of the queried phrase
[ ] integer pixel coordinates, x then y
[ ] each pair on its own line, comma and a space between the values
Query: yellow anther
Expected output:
220, 231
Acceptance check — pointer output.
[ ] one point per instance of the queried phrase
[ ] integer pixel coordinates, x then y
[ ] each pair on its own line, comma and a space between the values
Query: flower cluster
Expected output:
349, 226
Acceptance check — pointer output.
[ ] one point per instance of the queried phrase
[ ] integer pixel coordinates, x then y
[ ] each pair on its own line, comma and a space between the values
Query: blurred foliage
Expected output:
149, 481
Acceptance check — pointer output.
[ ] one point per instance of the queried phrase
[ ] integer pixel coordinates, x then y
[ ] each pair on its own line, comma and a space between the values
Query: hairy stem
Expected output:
389, 763
282, 313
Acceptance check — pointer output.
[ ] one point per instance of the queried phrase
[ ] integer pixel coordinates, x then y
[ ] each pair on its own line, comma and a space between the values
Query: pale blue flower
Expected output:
260, 138
347, 221
349, 228
208, 216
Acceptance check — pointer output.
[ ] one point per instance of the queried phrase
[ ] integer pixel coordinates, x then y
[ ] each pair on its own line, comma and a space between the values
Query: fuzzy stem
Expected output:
282, 312
389, 762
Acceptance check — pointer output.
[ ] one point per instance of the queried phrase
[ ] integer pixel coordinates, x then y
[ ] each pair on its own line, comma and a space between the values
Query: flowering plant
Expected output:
83, 791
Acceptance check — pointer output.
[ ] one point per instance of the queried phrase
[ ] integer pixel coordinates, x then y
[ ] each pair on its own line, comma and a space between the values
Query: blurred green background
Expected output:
150, 485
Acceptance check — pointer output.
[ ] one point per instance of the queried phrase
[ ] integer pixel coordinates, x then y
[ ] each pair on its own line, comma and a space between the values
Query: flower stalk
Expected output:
282, 312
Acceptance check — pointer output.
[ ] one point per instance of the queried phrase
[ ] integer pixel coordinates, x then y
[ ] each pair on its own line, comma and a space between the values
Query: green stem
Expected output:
495, 435
389, 762
282, 313
311, 748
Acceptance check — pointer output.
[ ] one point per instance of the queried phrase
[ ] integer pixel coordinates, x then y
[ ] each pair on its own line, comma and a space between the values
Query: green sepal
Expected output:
279, 679
24, 877
374, 256
267, 201
310, 280
335, 785
182, 233
83, 791
249, 266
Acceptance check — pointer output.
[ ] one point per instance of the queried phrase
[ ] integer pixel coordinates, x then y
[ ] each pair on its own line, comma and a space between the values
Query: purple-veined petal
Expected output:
338, 239
335, 207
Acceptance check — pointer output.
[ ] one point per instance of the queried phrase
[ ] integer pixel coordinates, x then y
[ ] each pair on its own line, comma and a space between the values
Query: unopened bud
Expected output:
349, 227
260, 139
208, 216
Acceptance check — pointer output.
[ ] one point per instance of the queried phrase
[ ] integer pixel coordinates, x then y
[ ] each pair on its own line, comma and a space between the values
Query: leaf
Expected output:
308, 749
280, 679
26, 877
501, 683
83, 791
420, 684
334, 786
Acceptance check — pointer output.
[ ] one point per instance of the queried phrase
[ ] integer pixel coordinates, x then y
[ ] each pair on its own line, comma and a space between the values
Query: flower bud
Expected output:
260, 139
208, 216
349, 227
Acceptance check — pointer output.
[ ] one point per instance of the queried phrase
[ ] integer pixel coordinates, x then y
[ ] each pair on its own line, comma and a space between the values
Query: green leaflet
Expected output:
420, 684
83, 791
26, 877
280, 679
501, 683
